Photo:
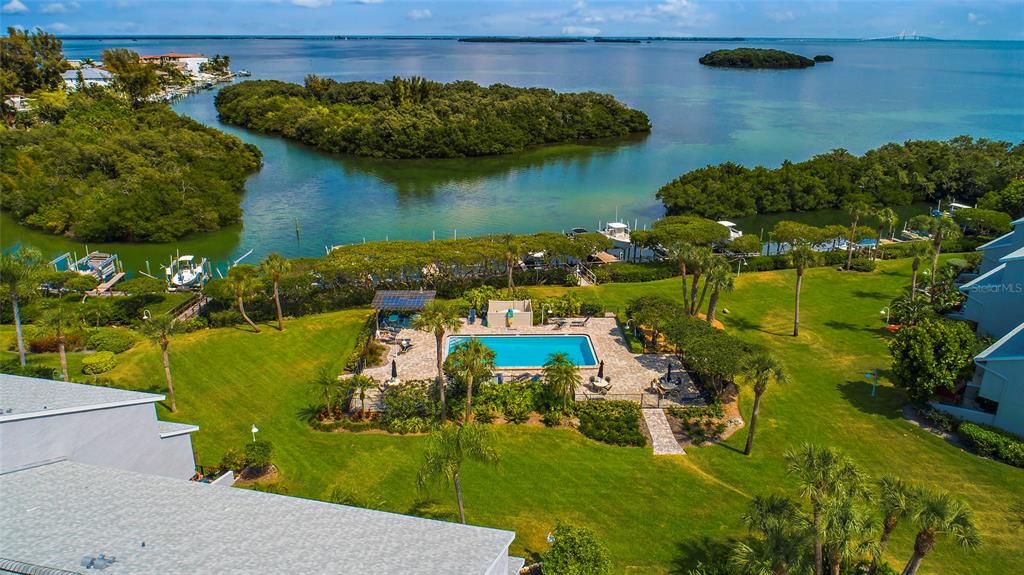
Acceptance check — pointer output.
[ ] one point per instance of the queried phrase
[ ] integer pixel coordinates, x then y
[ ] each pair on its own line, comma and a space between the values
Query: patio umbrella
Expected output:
600, 370
394, 369
669, 376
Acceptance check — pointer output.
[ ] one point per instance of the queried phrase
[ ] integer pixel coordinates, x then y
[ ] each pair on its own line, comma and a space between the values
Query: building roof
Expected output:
986, 279
171, 428
1009, 347
170, 55
999, 242
87, 74
28, 397
55, 515
1015, 255
402, 300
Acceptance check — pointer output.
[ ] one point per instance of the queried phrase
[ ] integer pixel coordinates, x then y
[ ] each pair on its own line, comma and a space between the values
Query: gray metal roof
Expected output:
56, 514
24, 397
171, 428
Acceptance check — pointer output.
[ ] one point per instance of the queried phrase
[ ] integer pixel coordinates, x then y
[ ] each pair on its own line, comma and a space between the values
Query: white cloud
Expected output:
57, 27
14, 7
312, 3
783, 16
975, 19
420, 14
59, 7
367, 1
580, 31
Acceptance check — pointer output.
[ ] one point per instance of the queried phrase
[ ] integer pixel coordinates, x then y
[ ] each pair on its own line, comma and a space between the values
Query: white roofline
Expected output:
991, 243
80, 408
983, 356
184, 430
1017, 254
970, 285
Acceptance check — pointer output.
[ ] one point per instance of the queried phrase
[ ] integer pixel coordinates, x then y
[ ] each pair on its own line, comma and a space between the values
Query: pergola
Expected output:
401, 300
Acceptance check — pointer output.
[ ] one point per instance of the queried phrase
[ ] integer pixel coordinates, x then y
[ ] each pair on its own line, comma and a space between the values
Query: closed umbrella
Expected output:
600, 370
669, 376
394, 369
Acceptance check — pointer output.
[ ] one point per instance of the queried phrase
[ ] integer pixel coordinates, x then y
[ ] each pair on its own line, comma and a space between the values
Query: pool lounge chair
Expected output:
580, 322
404, 346
560, 323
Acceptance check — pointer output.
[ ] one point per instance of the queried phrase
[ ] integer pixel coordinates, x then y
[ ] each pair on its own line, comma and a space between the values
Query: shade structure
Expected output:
402, 300
600, 370
394, 369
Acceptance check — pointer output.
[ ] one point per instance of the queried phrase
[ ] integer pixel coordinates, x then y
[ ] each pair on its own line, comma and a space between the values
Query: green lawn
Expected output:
652, 512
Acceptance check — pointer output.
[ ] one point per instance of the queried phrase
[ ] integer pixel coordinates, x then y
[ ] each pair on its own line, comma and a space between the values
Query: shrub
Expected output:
625, 272
47, 343
226, 318
862, 265
576, 551
614, 422
259, 455
993, 443
99, 362
589, 308
939, 419
409, 408
114, 340
552, 418
484, 414
193, 324
13, 367
233, 460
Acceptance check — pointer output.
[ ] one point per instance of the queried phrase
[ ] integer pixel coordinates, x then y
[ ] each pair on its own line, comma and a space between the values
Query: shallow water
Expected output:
874, 92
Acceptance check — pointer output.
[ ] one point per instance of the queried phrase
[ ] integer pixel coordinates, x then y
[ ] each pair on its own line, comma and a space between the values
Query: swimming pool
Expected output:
533, 350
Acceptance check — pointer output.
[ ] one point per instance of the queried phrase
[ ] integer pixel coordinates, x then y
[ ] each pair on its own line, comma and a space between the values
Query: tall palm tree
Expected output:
761, 369
720, 279
919, 250
801, 256
439, 318
886, 217
18, 271
681, 251
857, 209
57, 320
701, 260
273, 267
562, 378
512, 247
782, 531
849, 535
469, 360
937, 514
359, 384
940, 228
824, 475
328, 389
895, 497
159, 329
243, 281
447, 447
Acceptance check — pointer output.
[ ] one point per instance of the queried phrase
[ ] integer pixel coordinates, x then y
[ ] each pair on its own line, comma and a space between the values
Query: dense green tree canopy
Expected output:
755, 58
417, 118
106, 172
931, 355
30, 61
892, 175
136, 79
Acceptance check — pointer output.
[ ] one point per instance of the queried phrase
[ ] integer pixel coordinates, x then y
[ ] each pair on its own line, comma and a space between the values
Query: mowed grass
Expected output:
655, 514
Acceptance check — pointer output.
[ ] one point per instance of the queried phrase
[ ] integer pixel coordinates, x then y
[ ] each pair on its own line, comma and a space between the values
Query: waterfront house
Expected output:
995, 299
1001, 246
91, 480
89, 77
188, 63
18, 103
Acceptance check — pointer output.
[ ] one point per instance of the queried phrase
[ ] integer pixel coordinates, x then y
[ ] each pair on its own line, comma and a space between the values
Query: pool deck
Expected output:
631, 374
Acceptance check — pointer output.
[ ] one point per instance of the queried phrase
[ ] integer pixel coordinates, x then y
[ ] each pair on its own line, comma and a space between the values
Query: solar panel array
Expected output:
402, 299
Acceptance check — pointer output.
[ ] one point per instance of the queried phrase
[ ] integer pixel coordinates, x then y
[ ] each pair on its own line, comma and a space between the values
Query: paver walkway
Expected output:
661, 433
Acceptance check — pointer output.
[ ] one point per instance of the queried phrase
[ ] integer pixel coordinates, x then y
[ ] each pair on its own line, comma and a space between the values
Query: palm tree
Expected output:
18, 270
936, 514
273, 268
801, 256
886, 217
895, 498
512, 249
918, 249
243, 281
909, 311
469, 360
439, 318
681, 251
721, 279
447, 447
849, 533
783, 532
856, 209
159, 329
56, 320
360, 383
761, 369
940, 228
328, 389
562, 378
701, 261
824, 475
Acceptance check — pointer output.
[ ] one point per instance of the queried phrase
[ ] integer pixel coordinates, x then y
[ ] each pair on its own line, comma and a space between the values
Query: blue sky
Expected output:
953, 19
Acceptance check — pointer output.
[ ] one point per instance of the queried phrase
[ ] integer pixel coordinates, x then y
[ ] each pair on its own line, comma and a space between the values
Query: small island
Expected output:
823, 58
414, 117
755, 58
521, 40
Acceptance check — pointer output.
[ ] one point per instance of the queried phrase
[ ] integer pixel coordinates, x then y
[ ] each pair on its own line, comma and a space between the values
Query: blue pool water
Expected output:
533, 350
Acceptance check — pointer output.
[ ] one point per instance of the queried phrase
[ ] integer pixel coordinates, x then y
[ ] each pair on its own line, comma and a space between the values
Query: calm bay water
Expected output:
874, 92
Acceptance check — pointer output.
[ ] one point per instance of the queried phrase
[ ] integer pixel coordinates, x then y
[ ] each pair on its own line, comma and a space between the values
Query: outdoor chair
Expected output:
581, 322
404, 346
560, 323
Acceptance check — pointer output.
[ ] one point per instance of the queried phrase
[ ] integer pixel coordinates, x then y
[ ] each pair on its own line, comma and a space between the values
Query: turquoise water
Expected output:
533, 350
874, 92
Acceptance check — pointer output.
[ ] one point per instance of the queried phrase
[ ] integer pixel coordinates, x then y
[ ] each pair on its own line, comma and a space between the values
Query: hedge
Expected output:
614, 422
993, 443
99, 362
113, 340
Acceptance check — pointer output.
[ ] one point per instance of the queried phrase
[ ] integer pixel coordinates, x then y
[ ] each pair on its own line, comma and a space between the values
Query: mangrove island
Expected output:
418, 118
755, 58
